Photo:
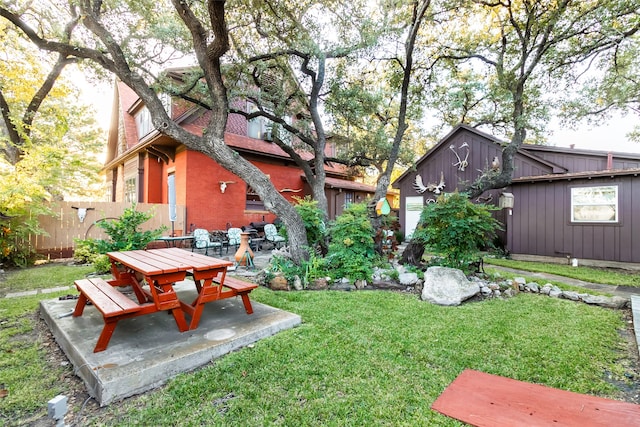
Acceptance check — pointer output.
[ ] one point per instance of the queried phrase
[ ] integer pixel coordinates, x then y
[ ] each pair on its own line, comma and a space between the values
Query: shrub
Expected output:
456, 229
352, 249
313, 219
124, 235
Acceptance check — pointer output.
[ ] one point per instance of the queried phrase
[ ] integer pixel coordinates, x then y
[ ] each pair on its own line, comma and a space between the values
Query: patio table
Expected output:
176, 241
159, 269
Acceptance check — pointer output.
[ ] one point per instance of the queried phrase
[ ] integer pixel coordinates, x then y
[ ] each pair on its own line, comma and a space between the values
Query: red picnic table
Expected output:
152, 274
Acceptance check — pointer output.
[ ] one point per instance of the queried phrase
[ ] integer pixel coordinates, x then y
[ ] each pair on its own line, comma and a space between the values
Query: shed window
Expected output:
594, 204
348, 198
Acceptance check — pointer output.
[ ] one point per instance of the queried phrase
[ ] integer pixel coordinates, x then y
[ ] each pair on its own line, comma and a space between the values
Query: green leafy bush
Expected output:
313, 219
456, 229
124, 235
352, 249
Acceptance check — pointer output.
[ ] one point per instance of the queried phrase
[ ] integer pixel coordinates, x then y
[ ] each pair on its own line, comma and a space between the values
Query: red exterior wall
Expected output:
208, 207
153, 178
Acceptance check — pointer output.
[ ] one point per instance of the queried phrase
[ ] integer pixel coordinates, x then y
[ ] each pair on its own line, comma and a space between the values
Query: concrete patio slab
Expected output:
145, 352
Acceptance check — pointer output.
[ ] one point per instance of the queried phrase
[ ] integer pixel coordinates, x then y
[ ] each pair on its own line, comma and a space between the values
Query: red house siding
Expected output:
207, 206
197, 177
153, 177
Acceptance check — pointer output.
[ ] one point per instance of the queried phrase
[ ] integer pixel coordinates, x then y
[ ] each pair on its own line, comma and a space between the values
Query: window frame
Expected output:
130, 193
576, 191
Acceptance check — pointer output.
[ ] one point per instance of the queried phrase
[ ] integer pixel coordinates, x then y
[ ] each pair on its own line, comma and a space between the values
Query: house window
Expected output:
594, 204
259, 127
348, 198
143, 122
254, 203
130, 191
262, 128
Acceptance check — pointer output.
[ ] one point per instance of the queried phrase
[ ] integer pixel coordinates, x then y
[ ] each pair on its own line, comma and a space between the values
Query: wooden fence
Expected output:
65, 226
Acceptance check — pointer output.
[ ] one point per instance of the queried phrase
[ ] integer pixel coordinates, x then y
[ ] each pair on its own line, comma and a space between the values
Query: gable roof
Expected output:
463, 127
541, 154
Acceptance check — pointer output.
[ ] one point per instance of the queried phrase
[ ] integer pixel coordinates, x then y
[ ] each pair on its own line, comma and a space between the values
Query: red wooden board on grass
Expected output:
482, 399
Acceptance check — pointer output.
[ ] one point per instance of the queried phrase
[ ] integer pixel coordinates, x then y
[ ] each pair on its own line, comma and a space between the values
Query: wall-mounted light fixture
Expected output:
506, 202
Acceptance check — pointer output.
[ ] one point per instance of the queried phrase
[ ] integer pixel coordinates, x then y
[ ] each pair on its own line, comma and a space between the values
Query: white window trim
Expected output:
575, 192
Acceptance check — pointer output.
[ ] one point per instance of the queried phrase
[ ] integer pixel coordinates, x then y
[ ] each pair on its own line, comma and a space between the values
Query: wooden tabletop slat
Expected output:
168, 260
141, 262
195, 260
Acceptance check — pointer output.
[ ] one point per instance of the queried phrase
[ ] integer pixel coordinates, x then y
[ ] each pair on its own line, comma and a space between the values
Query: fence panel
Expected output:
66, 225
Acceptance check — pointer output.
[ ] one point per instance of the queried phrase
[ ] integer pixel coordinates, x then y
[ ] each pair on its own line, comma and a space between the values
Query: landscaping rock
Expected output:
342, 286
408, 279
297, 283
360, 284
532, 287
573, 296
319, 284
447, 286
603, 301
555, 292
279, 283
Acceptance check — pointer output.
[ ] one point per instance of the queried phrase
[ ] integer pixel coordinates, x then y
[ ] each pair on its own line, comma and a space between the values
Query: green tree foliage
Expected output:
352, 249
286, 56
456, 229
524, 57
48, 143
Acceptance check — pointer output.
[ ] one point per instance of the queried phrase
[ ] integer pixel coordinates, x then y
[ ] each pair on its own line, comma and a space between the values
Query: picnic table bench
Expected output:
240, 288
113, 305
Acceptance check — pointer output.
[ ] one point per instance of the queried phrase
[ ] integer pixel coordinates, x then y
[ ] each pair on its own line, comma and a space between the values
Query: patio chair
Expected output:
271, 234
233, 236
202, 240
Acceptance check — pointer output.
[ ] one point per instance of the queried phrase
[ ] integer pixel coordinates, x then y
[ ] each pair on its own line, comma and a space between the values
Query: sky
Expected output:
610, 136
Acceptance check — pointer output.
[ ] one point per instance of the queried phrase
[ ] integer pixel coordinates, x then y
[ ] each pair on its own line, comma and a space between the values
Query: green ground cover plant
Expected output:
359, 358
29, 379
605, 276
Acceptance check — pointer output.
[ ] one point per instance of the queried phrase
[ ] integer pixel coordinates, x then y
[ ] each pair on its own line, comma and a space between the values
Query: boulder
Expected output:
447, 286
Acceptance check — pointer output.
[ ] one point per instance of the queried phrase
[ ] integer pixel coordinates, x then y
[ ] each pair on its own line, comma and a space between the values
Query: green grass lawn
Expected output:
603, 276
359, 358
45, 276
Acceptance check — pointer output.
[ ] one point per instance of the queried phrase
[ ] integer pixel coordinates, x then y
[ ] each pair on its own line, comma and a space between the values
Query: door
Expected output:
412, 209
